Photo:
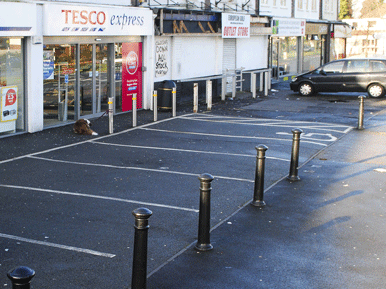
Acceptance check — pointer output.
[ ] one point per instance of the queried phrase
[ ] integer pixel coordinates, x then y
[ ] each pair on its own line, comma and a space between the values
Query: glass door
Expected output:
58, 83
86, 79
102, 87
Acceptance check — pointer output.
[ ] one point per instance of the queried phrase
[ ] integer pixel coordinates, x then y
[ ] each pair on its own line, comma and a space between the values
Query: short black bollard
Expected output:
361, 111
293, 174
21, 277
138, 280
259, 177
203, 242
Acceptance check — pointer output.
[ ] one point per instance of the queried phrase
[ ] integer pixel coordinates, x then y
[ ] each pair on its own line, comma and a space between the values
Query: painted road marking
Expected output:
326, 136
65, 247
99, 197
138, 169
229, 136
188, 151
273, 123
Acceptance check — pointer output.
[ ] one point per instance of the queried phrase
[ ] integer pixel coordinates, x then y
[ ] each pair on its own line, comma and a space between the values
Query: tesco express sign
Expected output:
66, 20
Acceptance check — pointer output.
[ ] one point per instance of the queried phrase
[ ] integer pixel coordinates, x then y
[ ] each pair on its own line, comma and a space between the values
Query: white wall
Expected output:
276, 8
196, 56
252, 53
308, 9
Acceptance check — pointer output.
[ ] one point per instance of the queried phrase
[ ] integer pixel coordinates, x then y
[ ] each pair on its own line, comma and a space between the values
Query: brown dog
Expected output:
82, 126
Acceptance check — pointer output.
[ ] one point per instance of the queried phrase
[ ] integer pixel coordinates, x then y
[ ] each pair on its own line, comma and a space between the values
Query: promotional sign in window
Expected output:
8, 103
161, 57
235, 25
131, 75
69, 20
48, 65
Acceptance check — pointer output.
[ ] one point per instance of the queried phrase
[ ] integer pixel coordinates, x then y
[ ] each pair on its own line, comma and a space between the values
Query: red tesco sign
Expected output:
84, 17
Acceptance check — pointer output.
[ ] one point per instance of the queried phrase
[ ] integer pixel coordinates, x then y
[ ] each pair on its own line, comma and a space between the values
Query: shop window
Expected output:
118, 77
12, 118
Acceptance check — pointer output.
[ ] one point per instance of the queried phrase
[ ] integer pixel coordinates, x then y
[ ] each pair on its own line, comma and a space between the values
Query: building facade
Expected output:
62, 60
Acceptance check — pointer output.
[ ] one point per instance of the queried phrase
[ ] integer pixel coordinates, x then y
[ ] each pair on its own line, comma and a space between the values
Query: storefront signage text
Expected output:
235, 26
288, 27
83, 20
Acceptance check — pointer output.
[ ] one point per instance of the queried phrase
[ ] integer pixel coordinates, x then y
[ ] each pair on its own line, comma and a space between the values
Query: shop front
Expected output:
18, 22
285, 46
315, 46
339, 41
90, 54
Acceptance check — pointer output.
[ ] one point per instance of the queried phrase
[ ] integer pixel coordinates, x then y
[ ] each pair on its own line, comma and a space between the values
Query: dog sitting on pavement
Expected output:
82, 126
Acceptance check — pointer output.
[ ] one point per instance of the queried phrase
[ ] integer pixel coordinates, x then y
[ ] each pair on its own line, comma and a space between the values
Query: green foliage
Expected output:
345, 11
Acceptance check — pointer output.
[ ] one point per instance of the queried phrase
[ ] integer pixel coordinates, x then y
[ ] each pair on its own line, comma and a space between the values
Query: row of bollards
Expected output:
155, 103
258, 195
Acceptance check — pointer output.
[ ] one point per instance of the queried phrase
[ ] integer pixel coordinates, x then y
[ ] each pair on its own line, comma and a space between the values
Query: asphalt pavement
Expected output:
324, 231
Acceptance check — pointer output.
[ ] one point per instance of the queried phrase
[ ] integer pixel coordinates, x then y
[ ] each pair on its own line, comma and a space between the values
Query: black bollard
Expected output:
138, 280
21, 277
203, 242
361, 111
293, 174
259, 177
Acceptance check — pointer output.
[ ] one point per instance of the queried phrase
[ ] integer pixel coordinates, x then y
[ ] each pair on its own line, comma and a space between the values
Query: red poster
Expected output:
131, 75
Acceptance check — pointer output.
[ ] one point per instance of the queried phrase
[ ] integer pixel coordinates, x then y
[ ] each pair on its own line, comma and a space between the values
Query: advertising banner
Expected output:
288, 27
48, 65
235, 25
68, 20
131, 74
8, 103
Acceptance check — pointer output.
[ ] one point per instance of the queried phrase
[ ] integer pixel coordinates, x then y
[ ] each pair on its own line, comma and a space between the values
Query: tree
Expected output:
372, 9
345, 11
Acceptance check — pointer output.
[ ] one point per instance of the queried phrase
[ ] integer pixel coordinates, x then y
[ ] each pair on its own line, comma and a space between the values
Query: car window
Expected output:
335, 67
358, 66
378, 66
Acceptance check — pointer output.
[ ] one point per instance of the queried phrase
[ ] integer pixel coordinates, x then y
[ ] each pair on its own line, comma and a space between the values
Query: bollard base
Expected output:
203, 247
293, 178
258, 203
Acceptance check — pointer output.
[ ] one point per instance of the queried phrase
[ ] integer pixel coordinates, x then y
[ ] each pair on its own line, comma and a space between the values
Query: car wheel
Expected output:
376, 90
306, 89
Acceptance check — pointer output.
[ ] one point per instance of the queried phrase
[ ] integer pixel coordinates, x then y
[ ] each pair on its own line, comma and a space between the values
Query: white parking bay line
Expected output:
99, 197
70, 248
229, 136
139, 169
187, 151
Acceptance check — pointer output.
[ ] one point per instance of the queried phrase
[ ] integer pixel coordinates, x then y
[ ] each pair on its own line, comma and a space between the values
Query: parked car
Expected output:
346, 75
